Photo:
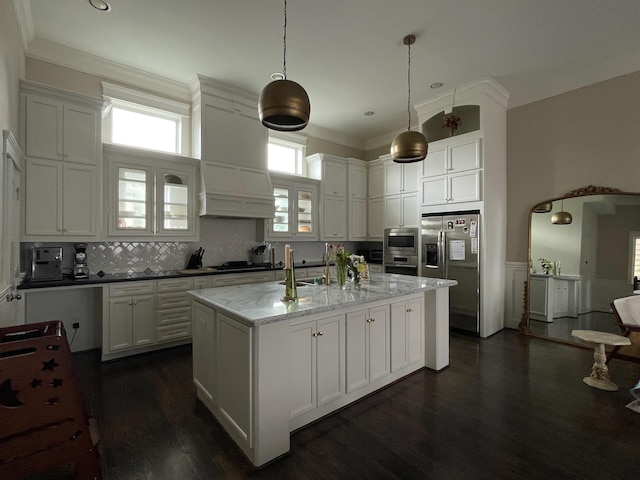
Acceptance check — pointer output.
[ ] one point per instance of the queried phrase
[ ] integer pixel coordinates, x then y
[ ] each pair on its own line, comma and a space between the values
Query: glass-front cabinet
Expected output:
150, 198
176, 213
296, 209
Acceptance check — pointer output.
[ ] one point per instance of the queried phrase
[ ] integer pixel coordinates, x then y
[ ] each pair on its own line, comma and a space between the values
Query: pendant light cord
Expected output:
409, 88
284, 43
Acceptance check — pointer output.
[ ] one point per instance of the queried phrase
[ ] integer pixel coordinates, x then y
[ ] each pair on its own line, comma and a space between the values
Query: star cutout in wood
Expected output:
57, 382
50, 365
36, 382
53, 401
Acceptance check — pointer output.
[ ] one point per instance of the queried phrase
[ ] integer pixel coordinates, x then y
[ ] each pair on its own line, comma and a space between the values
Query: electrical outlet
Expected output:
76, 325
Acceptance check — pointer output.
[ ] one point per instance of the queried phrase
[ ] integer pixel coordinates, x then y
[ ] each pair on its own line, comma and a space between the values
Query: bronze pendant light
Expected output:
561, 217
284, 104
409, 147
545, 207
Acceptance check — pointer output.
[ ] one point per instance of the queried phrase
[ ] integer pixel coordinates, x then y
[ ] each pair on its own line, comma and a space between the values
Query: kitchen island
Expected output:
265, 368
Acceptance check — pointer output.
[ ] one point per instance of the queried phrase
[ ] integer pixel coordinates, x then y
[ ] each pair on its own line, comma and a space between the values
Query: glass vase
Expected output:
341, 275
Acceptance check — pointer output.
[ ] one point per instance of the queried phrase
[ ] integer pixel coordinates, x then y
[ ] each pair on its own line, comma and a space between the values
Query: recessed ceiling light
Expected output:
436, 84
100, 5
369, 113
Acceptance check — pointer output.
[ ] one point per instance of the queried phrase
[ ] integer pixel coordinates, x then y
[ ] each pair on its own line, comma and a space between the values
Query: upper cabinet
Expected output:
296, 204
452, 171
150, 195
401, 193
400, 177
61, 135
357, 199
332, 171
60, 128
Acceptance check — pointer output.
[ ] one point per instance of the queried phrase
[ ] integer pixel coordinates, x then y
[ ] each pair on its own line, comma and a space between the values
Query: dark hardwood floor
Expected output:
508, 407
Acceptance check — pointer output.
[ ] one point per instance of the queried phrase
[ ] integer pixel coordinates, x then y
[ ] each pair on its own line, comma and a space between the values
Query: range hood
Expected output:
235, 191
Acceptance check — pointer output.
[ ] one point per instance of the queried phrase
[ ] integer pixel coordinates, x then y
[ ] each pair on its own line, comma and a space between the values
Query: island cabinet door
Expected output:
331, 358
204, 358
317, 363
367, 349
406, 333
302, 344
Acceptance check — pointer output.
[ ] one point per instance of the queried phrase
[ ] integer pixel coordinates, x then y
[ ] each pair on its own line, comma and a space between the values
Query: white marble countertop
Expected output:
259, 303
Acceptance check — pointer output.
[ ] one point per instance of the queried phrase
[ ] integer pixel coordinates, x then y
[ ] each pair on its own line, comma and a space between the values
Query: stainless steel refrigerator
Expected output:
450, 249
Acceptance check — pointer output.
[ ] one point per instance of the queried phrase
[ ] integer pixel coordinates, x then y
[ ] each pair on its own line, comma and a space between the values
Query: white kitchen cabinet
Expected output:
317, 363
452, 172
375, 216
367, 346
173, 315
61, 200
454, 188
357, 177
331, 170
400, 177
59, 125
203, 282
406, 333
375, 179
151, 195
401, 210
334, 218
131, 316
453, 156
204, 363
296, 218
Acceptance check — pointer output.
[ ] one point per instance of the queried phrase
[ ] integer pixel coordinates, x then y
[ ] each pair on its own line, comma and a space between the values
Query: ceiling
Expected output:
348, 54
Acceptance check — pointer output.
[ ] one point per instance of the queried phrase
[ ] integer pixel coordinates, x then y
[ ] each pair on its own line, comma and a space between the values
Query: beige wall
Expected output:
316, 145
63, 78
586, 136
12, 68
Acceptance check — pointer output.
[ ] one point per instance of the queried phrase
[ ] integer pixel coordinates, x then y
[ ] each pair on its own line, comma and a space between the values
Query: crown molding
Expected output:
25, 21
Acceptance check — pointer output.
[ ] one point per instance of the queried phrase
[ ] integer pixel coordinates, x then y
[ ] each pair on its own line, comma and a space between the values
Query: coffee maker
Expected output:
80, 268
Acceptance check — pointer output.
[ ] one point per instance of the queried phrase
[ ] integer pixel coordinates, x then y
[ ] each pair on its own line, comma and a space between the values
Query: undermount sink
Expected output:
304, 282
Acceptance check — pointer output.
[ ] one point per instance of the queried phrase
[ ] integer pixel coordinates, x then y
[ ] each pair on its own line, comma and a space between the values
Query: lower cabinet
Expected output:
131, 315
317, 359
173, 316
367, 346
407, 334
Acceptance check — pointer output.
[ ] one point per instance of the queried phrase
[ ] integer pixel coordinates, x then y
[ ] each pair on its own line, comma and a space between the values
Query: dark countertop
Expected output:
93, 279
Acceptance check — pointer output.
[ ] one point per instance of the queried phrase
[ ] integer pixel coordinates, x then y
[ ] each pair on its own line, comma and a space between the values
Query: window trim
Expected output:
149, 104
634, 237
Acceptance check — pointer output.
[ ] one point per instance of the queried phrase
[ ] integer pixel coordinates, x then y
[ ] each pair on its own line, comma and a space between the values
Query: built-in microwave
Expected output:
401, 241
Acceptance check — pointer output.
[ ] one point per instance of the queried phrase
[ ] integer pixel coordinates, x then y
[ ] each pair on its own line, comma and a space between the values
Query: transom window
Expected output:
287, 154
141, 120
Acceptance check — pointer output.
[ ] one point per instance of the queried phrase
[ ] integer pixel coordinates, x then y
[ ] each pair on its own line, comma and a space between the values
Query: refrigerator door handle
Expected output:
443, 253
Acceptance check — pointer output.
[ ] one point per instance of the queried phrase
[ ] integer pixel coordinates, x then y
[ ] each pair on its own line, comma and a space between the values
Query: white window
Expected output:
287, 153
635, 254
141, 120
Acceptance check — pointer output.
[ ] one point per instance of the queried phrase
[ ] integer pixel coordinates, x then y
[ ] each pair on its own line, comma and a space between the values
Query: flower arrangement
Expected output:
348, 262
546, 265
452, 122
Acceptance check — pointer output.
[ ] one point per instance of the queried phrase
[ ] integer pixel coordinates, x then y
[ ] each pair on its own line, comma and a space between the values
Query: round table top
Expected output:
601, 337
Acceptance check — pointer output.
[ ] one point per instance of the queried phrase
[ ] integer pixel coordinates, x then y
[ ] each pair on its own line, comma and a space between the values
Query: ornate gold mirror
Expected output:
578, 265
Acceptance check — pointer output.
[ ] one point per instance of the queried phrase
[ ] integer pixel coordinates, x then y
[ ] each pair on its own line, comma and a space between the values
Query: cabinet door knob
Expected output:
320, 334
373, 320
409, 310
